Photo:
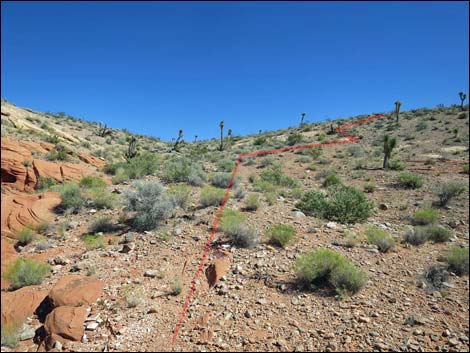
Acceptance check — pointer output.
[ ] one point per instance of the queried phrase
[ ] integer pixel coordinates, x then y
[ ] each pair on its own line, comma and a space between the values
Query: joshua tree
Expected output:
302, 121
397, 109
389, 144
259, 132
195, 138
179, 140
462, 96
221, 125
103, 130
131, 149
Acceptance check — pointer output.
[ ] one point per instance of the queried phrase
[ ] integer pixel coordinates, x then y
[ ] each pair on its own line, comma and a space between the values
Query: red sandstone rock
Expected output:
218, 267
76, 290
20, 304
66, 322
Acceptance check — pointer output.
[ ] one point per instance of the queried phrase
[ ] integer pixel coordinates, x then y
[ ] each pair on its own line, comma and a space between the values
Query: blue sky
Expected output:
154, 68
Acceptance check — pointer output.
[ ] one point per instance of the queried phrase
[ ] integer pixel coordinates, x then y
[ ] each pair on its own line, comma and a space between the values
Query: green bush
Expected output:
330, 180
424, 217
221, 180
410, 180
179, 195
380, 238
229, 218
252, 202
211, 196
369, 187
71, 196
134, 168
326, 268
102, 224
45, 183
344, 204
103, 198
276, 176
260, 140
280, 234
438, 234
23, 273
92, 182
93, 242
25, 236
416, 236
465, 169
457, 259
58, 153
396, 165
150, 204
53, 139
448, 191
294, 138
265, 162
183, 170
226, 165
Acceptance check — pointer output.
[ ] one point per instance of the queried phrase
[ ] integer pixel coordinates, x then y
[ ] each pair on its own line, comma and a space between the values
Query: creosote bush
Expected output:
221, 180
330, 180
183, 170
326, 268
380, 238
211, 196
233, 224
448, 191
424, 217
252, 202
25, 236
179, 195
149, 202
72, 198
457, 259
419, 235
344, 204
280, 234
94, 241
134, 168
23, 273
92, 182
101, 224
410, 180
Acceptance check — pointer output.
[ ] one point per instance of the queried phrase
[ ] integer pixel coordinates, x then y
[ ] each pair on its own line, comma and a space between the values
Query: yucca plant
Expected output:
221, 125
397, 109
302, 121
389, 144
462, 96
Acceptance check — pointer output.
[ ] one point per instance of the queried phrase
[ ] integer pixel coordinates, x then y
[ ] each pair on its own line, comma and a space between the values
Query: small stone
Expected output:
177, 231
299, 214
331, 225
126, 248
58, 345
27, 334
383, 206
248, 314
150, 273
92, 211
364, 319
152, 310
261, 301
92, 326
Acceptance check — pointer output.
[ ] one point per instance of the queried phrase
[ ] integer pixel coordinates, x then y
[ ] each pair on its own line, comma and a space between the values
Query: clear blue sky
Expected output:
157, 67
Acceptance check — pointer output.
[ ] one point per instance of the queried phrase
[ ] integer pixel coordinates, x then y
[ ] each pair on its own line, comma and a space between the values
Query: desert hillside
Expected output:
317, 249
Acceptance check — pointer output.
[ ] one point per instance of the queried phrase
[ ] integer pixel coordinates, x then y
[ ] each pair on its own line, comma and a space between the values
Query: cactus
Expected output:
302, 121
103, 130
221, 125
131, 149
397, 109
462, 96
389, 144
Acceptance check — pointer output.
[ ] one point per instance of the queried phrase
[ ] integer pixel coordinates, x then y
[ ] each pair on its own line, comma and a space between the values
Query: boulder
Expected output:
75, 290
66, 322
20, 304
218, 267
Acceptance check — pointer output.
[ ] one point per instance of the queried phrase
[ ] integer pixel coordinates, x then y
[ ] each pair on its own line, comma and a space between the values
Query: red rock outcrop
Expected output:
218, 267
76, 290
20, 304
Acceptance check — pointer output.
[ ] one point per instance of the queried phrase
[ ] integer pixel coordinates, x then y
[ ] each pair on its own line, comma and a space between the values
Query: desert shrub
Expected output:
176, 286
133, 296
264, 186
134, 168
304, 159
11, 333
416, 236
260, 140
396, 165
45, 183
222, 180
435, 275
326, 268
330, 180
344, 204
179, 195
356, 151
243, 235
462, 115
350, 239
71, 196
92, 182
430, 162
448, 191
150, 204
410, 180
225, 165
294, 138
53, 139
369, 187
25, 236
457, 259
424, 217
183, 170
465, 169
265, 162
23, 273
380, 238
280, 234
422, 125
252, 202
270, 197
296, 193
438, 234
58, 153
276, 176
94, 241
103, 198
211, 196
102, 224
230, 218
